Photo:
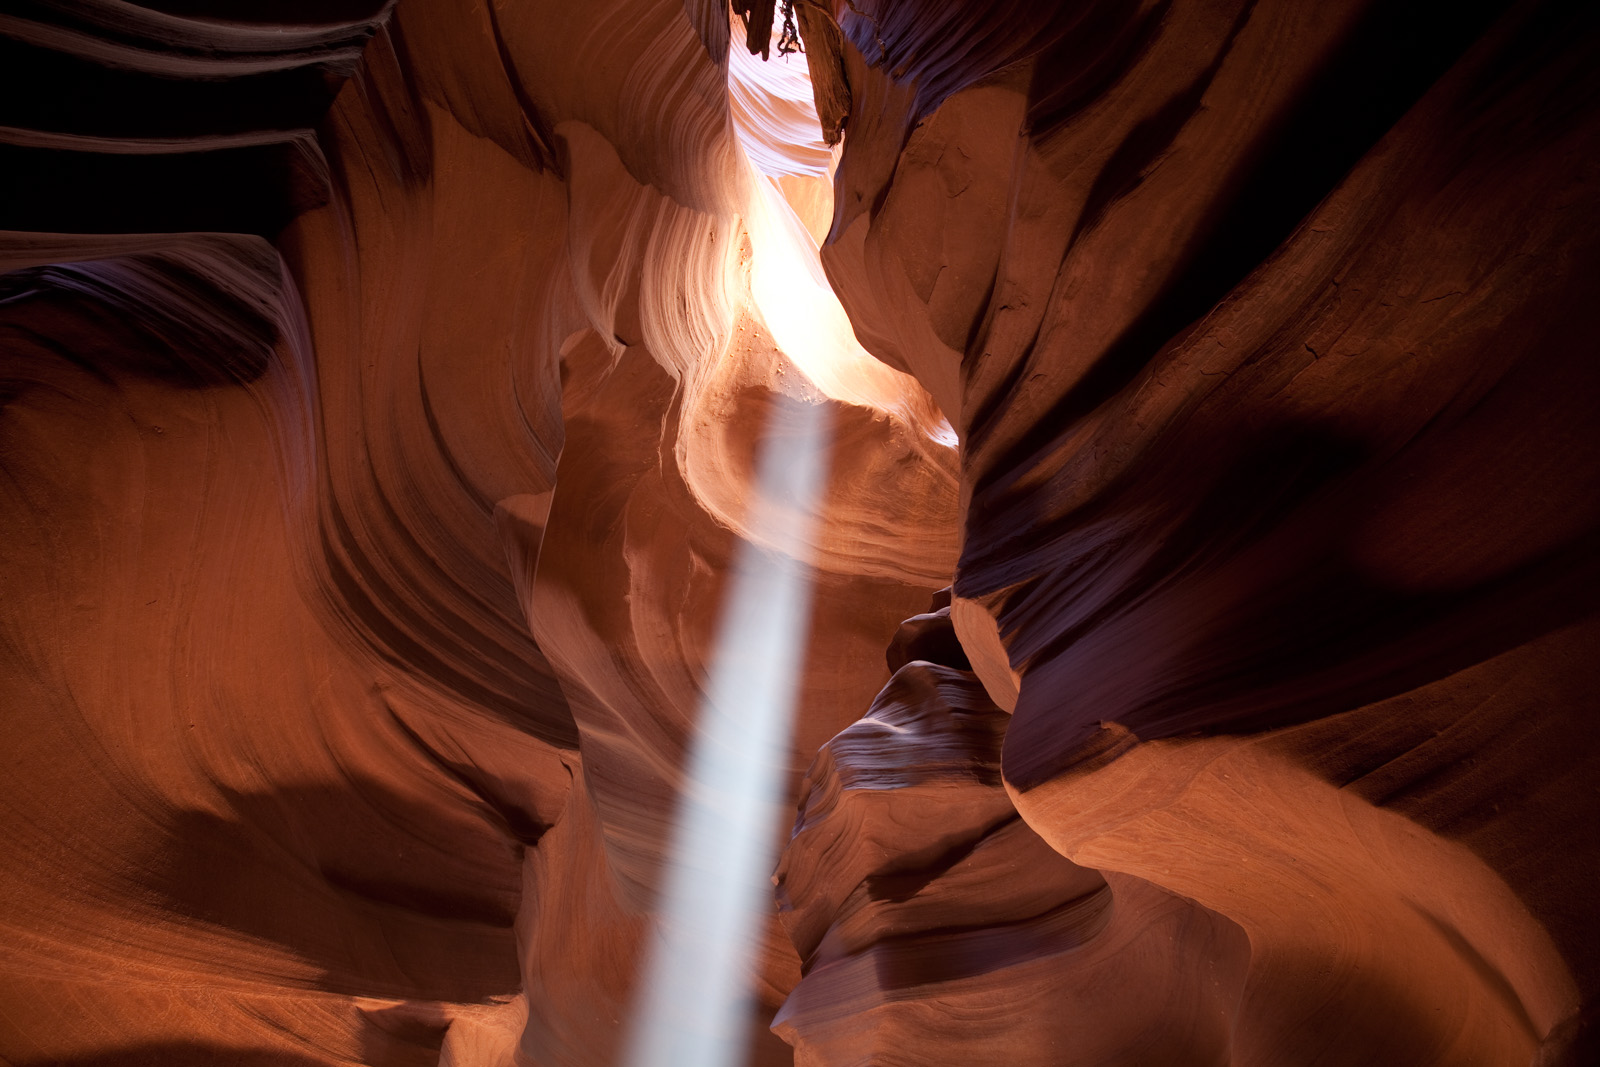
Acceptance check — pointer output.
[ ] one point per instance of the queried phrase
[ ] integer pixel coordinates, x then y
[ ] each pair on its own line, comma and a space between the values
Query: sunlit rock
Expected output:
382, 392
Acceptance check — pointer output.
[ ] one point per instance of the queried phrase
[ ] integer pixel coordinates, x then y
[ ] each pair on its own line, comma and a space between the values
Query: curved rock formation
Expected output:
1265, 335
279, 520
936, 927
381, 392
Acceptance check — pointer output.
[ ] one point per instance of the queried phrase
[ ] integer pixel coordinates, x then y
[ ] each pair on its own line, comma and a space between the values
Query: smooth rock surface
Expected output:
381, 386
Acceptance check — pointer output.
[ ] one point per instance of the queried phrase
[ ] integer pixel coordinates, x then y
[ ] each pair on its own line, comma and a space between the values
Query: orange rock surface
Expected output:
1210, 390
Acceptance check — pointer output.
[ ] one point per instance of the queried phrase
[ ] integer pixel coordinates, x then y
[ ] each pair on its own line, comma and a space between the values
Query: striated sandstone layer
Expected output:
380, 392
308, 314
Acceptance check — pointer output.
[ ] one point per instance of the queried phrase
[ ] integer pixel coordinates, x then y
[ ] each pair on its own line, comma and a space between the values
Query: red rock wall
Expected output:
378, 392
294, 781
1264, 323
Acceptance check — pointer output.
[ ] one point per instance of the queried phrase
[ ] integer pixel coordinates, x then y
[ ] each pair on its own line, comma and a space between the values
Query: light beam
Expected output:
698, 987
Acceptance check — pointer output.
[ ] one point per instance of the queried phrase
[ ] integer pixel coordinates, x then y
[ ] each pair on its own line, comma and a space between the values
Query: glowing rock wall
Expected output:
380, 387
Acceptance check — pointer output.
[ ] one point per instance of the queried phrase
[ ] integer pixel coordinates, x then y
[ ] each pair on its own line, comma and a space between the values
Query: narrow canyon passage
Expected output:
880, 532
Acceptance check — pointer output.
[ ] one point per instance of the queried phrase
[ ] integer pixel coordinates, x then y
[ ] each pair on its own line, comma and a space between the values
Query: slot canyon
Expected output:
911, 533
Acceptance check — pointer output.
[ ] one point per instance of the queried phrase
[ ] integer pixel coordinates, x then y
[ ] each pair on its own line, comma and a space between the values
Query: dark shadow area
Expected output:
164, 97
930, 637
60, 93
402, 1036
153, 314
1150, 139
390, 897
1575, 1042
256, 188
1076, 69
1379, 72
1279, 623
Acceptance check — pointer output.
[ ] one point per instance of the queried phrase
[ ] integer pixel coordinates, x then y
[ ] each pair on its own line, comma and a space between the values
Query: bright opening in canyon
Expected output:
697, 987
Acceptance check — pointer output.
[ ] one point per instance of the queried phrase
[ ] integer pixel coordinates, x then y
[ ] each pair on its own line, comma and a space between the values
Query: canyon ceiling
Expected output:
1199, 641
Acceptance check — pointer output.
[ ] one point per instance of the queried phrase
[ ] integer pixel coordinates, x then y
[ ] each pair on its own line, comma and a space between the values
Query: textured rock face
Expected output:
1263, 326
935, 926
293, 779
379, 392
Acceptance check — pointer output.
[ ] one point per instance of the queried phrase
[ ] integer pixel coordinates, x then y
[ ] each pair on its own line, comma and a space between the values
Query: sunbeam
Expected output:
697, 987
695, 999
